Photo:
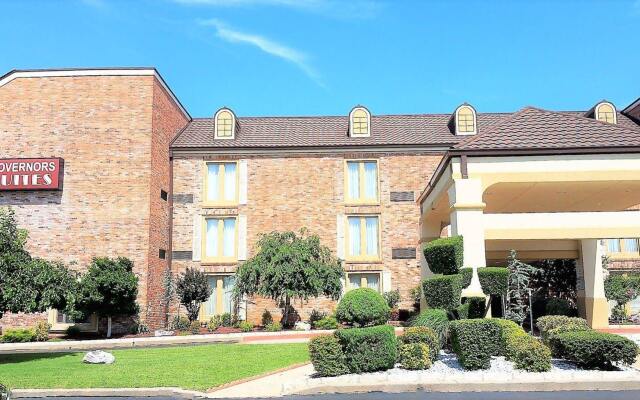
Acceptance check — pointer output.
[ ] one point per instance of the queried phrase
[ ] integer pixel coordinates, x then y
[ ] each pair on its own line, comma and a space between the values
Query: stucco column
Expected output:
465, 201
595, 306
430, 229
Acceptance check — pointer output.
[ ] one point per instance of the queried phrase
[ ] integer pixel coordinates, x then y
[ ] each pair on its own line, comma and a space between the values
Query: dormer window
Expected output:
605, 112
225, 124
465, 120
359, 122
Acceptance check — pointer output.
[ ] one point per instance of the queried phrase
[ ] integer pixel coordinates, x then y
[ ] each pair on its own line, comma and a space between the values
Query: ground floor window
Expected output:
369, 280
60, 322
221, 299
623, 248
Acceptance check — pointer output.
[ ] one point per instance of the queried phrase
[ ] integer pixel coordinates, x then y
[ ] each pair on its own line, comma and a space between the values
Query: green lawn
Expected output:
192, 367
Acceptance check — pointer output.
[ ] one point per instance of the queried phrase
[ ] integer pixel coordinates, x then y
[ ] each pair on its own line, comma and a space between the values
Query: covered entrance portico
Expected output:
543, 204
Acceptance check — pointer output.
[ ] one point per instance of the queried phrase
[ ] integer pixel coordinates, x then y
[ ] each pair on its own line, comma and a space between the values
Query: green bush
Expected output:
556, 306
424, 335
180, 323
444, 255
226, 320
622, 288
525, 351
368, 349
466, 274
273, 327
461, 312
328, 322
392, 298
194, 327
548, 322
73, 331
414, 356
20, 335
437, 320
494, 280
214, 323
477, 307
363, 307
41, 331
475, 341
327, 356
267, 318
442, 291
245, 326
316, 316
593, 349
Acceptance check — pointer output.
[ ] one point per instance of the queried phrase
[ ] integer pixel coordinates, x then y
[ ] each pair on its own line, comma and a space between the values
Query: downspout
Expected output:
170, 244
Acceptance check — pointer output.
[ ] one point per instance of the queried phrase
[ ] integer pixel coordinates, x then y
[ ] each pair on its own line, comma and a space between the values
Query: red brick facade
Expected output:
113, 134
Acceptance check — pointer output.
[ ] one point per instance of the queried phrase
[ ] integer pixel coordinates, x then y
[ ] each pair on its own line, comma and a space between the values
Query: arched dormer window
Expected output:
225, 124
359, 122
605, 112
465, 120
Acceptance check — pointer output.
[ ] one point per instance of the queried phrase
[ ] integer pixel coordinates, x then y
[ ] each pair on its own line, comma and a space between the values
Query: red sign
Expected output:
31, 173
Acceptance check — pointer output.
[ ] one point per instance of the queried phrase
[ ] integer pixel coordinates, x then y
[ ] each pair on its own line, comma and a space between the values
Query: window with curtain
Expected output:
222, 183
623, 248
221, 299
369, 280
220, 238
362, 182
363, 238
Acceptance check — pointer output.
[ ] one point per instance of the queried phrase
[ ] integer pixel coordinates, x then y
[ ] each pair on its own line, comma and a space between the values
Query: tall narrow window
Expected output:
221, 299
359, 122
224, 124
606, 112
219, 239
363, 239
221, 184
465, 120
361, 182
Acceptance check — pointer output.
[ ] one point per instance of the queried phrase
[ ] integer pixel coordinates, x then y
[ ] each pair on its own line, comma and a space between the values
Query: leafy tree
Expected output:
519, 285
555, 278
30, 284
192, 290
290, 266
109, 288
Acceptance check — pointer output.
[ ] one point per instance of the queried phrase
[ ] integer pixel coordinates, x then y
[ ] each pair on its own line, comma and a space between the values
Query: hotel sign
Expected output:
31, 173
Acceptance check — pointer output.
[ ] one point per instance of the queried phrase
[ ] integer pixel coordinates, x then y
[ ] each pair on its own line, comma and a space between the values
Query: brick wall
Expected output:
102, 127
291, 192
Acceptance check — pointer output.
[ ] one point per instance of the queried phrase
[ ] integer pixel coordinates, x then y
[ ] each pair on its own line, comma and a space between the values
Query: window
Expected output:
221, 299
606, 112
60, 322
359, 120
162, 254
363, 238
465, 120
369, 280
623, 248
221, 184
225, 124
164, 195
219, 239
361, 182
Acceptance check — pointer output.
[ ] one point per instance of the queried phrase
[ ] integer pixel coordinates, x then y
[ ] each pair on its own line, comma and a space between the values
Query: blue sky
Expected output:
314, 57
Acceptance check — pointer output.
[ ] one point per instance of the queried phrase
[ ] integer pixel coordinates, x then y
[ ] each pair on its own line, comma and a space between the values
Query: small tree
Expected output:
290, 266
519, 285
193, 289
109, 288
30, 284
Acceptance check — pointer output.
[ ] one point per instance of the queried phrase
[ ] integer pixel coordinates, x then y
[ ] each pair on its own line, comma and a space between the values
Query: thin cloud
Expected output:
356, 9
298, 58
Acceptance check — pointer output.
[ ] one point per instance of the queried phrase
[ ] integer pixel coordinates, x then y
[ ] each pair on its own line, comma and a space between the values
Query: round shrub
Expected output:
41, 331
556, 306
529, 354
444, 255
436, 319
273, 327
363, 307
593, 349
549, 322
327, 356
442, 291
194, 327
214, 323
368, 349
414, 356
245, 326
424, 335
474, 341
328, 322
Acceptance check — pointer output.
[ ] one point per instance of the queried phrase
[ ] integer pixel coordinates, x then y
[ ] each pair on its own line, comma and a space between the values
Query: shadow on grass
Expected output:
18, 358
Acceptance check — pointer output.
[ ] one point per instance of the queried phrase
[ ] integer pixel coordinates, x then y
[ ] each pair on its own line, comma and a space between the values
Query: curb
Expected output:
123, 392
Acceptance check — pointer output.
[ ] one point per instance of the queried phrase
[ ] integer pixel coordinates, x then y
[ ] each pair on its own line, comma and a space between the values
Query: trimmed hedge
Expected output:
424, 335
475, 341
477, 307
494, 280
593, 349
436, 319
461, 312
442, 291
525, 351
444, 255
363, 307
550, 322
415, 356
328, 322
327, 356
368, 349
19, 335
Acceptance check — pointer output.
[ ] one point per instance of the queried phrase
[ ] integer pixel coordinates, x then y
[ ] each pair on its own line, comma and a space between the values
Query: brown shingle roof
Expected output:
527, 127
533, 128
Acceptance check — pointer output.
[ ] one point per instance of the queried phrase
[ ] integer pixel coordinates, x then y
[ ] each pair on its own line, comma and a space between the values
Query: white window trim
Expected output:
380, 277
475, 120
615, 112
233, 125
351, 132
